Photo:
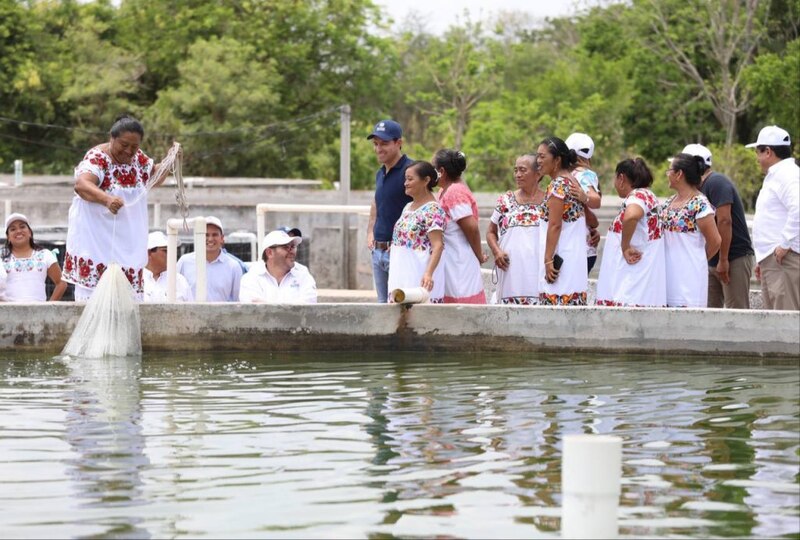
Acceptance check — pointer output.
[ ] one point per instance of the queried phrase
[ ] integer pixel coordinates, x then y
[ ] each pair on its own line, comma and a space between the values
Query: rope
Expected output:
172, 163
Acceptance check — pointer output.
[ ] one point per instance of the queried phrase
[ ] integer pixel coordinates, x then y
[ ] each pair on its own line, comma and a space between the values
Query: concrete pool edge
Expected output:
448, 328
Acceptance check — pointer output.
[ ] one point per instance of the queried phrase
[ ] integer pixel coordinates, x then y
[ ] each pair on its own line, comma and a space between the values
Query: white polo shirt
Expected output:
223, 276
155, 290
777, 219
296, 287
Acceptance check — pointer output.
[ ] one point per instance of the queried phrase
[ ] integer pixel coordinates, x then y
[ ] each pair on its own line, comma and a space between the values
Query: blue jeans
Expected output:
380, 273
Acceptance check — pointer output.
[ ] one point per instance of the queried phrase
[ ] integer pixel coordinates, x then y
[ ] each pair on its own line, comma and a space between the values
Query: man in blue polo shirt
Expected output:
390, 198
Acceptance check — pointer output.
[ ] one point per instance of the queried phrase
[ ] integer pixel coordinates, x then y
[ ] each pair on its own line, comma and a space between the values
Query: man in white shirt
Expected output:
776, 225
279, 280
223, 274
155, 273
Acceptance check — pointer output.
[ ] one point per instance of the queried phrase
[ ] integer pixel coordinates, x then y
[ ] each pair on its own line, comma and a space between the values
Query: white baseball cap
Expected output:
698, 150
156, 239
280, 238
771, 136
211, 220
16, 217
582, 144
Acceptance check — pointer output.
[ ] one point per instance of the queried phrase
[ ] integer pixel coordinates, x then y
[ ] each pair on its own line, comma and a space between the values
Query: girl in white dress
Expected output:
513, 236
690, 234
28, 265
417, 239
565, 236
108, 215
463, 255
632, 271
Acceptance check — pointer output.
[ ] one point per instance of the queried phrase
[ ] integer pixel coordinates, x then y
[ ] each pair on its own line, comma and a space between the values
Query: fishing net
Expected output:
109, 325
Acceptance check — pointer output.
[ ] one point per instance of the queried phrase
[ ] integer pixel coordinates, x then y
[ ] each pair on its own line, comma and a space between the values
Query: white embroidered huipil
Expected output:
96, 237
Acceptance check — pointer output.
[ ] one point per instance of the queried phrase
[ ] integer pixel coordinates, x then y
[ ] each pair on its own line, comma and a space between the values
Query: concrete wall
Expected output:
767, 336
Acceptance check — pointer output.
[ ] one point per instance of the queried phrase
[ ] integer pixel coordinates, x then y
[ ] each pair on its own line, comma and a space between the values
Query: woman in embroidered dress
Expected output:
463, 255
632, 271
513, 236
108, 216
28, 265
417, 239
690, 234
565, 234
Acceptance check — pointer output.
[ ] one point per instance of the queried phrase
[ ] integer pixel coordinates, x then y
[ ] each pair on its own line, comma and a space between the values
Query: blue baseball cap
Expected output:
291, 231
387, 130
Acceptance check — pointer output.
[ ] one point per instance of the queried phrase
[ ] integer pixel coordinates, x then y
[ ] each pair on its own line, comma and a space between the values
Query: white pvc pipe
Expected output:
415, 295
591, 470
200, 256
172, 262
200, 259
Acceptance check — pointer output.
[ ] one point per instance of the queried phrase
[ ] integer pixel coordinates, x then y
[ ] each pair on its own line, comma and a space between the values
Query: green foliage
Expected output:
253, 87
739, 164
774, 81
222, 89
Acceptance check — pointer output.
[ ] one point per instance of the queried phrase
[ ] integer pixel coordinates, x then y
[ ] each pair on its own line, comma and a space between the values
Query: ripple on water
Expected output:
394, 445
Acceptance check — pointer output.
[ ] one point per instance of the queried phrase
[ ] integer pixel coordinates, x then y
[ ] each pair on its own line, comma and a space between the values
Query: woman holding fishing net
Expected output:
108, 217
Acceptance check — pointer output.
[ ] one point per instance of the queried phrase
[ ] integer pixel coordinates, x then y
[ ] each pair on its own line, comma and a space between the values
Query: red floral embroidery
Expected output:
651, 214
574, 299
135, 174
84, 272
559, 188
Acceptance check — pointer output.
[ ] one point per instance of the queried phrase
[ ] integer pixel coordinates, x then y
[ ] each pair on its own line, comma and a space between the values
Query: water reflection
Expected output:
390, 446
104, 430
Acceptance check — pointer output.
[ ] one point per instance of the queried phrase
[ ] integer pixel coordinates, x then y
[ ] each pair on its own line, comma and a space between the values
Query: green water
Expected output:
389, 445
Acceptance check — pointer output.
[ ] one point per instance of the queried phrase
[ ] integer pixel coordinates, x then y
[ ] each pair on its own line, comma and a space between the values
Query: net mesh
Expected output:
109, 325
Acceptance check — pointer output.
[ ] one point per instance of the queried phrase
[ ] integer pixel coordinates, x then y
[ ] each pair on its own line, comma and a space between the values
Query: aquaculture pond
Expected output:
389, 445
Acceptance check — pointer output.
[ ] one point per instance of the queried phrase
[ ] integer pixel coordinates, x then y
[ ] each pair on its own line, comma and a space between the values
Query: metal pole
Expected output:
344, 154
17, 172
344, 186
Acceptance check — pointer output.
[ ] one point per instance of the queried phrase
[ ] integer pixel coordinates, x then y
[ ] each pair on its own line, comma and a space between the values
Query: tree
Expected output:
774, 82
712, 42
223, 97
448, 77
102, 83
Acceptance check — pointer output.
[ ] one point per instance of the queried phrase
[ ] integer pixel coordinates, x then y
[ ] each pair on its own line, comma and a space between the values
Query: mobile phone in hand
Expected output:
557, 261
